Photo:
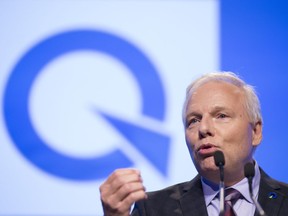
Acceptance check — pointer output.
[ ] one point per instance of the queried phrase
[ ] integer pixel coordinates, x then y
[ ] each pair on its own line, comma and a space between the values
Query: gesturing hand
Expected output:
118, 193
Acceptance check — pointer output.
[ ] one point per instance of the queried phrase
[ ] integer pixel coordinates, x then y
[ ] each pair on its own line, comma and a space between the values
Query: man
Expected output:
221, 112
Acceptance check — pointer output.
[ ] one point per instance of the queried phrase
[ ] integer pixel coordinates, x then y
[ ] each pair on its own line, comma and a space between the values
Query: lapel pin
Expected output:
272, 195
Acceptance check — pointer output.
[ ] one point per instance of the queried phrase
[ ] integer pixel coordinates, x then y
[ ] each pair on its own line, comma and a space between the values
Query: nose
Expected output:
206, 128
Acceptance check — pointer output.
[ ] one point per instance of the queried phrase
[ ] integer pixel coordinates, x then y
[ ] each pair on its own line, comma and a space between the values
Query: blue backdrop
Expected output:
254, 43
180, 38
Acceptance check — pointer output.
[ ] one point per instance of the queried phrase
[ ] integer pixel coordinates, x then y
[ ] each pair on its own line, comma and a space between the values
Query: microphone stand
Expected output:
221, 188
220, 162
258, 207
249, 174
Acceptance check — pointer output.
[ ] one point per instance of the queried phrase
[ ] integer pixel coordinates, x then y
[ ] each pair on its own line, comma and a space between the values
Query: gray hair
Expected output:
252, 104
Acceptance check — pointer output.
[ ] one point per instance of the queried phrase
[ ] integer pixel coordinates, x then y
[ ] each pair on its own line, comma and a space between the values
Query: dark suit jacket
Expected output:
187, 199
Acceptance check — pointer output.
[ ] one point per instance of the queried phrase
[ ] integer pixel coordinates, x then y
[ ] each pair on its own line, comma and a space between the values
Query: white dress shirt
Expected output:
243, 206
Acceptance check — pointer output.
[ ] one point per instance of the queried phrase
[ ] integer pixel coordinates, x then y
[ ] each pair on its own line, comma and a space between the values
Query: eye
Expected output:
221, 116
193, 121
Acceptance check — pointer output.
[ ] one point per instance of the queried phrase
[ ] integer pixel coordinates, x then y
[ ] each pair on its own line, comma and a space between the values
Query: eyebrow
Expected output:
220, 108
193, 114
214, 110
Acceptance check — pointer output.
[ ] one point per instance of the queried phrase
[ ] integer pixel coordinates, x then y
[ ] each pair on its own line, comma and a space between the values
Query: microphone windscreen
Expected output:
219, 158
249, 170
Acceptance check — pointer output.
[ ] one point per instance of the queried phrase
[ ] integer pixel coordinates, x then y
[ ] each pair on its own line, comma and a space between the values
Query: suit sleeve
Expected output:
139, 209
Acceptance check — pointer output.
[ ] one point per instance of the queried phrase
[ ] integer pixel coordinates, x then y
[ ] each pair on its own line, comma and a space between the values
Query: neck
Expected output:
229, 178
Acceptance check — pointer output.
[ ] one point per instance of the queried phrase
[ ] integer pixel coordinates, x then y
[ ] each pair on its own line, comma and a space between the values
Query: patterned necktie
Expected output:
231, 196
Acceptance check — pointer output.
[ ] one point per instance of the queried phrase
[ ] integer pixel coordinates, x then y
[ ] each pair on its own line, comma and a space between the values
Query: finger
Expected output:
122, 172
125, 204
117, 180
121, 177
127, 189
125, 179
120, 188
131, 198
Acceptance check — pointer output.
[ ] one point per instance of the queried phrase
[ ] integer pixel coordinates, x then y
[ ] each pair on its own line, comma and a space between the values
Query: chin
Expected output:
206, 165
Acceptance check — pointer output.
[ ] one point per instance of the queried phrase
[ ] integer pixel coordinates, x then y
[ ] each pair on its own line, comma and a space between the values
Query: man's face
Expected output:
216, 119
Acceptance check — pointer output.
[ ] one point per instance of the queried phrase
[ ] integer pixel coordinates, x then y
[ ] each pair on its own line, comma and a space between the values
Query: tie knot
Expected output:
232, 195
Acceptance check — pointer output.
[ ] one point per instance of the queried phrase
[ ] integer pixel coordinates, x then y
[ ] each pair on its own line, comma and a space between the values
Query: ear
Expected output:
257, 133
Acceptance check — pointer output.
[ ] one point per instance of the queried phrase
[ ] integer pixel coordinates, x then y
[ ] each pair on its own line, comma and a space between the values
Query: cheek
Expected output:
190, 139
244, 138
238, 141
237, 132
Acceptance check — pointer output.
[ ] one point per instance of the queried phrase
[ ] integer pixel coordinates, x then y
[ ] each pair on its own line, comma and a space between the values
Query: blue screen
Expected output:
254, 44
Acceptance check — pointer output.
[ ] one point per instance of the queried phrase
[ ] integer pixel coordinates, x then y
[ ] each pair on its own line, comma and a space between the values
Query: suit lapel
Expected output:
192, 201
270, 196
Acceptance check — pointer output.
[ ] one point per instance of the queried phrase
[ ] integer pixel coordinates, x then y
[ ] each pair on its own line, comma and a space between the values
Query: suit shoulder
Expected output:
176, 190
167, 197
277, 185
170, 197
282, 186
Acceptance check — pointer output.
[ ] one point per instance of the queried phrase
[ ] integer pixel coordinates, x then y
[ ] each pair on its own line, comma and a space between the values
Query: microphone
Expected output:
220, 162
249, 172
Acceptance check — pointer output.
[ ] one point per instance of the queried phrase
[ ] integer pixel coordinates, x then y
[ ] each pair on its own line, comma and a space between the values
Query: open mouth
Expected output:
207, 150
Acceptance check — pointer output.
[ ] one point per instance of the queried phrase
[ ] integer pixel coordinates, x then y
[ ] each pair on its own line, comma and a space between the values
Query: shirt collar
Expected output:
211, 189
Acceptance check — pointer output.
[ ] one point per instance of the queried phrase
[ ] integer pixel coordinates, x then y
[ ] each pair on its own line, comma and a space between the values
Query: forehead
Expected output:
217, 93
